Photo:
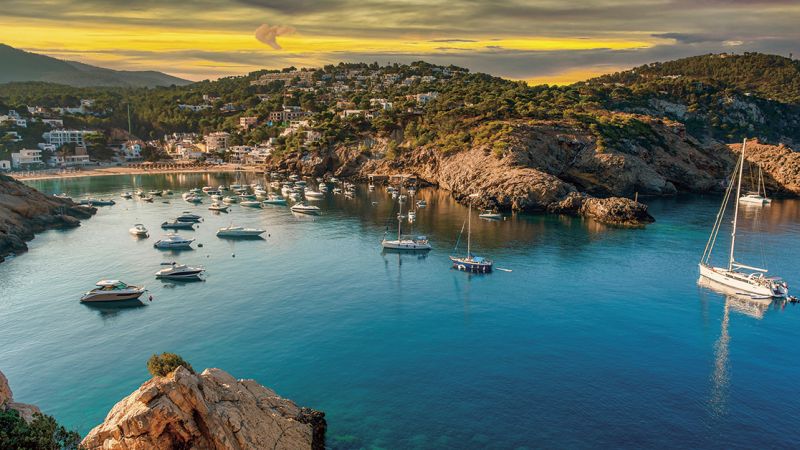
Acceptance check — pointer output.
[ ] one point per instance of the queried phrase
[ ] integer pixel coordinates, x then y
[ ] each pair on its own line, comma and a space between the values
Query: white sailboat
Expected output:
405, 243
471, 263
759, 196
743, 278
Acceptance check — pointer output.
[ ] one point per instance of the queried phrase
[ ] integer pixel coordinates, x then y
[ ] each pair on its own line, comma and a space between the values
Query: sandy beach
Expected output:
128, 170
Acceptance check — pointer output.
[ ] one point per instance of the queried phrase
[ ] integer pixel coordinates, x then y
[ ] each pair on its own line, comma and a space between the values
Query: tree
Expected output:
163, 364
43, 433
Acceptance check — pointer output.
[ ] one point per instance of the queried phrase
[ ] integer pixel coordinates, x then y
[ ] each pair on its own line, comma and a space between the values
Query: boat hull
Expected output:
466, 265
111, 297
740, 282
405, 245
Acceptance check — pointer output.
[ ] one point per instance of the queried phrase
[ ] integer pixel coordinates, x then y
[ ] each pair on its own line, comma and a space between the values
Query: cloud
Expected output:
452, 40
268, 34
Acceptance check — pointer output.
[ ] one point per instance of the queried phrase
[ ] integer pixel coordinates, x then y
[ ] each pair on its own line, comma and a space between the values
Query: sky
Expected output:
539, 41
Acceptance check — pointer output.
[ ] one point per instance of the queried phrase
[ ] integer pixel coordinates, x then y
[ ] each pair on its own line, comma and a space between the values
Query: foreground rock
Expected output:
212, 410
25, 410
25, 211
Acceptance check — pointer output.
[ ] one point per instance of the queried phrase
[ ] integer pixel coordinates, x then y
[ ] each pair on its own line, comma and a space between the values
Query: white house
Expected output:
217, 141
131, 150
60, 137
53, 123
5, 164
26, 158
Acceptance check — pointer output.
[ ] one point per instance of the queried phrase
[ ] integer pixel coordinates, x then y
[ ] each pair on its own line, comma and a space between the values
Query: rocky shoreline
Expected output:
212, 410
24, 211
559, 167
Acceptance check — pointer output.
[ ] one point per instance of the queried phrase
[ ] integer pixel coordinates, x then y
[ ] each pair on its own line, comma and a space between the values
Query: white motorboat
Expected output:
147, 198
178, 225
216, 197
157, 192
138, 230
490, 215
173, 241
230, 199
207, 188
126, 195
422, 204
187, 216
405, 243
177, 271
219, 207
251, 204
302, 208
743, 278
195, 190
314, 195
192, 197
112, 291
234, 231
274, 200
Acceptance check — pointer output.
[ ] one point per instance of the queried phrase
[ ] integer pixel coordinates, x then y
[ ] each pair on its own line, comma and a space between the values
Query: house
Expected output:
60, 137
288, 114
238, 153
289, 78
53, 123
131, 150
193, 108
5, 165
423, 98
26, 158
15, 137
380, 102
245, 122
217, 141
352, 112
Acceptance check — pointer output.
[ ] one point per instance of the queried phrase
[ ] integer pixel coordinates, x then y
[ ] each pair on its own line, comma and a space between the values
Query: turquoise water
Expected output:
599, 337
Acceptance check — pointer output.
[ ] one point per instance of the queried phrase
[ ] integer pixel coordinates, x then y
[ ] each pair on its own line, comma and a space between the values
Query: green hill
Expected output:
22, 66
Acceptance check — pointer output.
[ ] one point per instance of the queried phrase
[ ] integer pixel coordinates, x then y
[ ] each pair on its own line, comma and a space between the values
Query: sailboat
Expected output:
743, 278
471, 263
759, 196
405, 243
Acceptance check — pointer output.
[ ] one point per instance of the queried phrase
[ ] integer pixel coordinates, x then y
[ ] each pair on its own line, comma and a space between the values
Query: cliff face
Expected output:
780, 166
212, 410
25, 410
25, 211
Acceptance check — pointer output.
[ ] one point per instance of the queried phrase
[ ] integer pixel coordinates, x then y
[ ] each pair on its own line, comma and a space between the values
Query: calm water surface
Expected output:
599, 336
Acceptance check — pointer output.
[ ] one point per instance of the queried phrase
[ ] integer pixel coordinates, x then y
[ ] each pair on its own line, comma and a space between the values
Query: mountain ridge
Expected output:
23, 66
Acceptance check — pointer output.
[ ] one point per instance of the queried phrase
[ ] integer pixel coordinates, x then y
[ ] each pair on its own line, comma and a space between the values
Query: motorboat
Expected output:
337, 190
247, 197
195, 190
166, 192
470, 262
138, 230
207, 188
62, 195
302, 208
219, 207
213, 193
251, 203
177, 225
147, 198
322, 186
490, 215
187, 216
274, 200
234, 231
112, 291
173, 241
230, 199
235, 187
177, 271
314, 195
97, 202
192, 197
157, 192
216, 197
422, 204
743, 278
126, 195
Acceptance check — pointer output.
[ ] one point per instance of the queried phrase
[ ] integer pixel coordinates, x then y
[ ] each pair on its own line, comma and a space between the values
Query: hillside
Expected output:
717, 96
22, 66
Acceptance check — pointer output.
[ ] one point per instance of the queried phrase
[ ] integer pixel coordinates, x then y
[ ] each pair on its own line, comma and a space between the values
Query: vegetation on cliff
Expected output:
42, 433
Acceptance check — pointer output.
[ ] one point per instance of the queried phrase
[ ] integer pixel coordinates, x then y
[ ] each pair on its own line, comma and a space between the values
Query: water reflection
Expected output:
109, 310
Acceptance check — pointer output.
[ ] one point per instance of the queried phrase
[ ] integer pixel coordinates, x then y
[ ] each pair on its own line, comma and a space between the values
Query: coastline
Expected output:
127, 170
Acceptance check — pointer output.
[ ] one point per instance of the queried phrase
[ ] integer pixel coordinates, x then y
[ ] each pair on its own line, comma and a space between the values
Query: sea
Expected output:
591, 335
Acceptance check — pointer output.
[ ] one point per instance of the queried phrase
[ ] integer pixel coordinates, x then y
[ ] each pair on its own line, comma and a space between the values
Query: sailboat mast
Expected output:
736, 202
400, 214
469, 226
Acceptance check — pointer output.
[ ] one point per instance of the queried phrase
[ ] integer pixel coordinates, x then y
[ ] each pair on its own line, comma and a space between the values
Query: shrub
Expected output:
163, 364
43, 433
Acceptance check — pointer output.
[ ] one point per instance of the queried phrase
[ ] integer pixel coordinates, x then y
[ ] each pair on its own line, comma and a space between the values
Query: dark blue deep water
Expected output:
599, 337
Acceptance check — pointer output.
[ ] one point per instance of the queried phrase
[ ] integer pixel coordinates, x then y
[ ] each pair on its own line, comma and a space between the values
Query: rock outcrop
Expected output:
25, 410
780, 165
25, 211
212, 410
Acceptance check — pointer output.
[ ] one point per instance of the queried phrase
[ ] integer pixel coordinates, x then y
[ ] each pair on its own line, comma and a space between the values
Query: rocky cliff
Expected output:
780, 166
212, 410
25, 211
25, 410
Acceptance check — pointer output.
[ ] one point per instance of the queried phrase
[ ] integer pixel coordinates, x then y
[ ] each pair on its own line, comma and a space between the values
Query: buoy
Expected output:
233, 255
199, 245
150, 298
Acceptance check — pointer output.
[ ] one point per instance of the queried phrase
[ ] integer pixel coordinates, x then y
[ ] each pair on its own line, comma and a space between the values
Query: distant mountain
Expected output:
19, 65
